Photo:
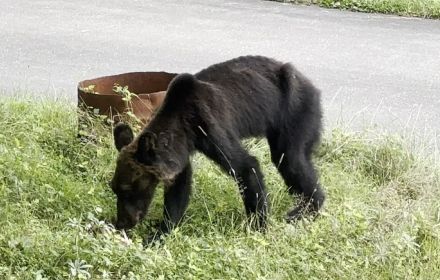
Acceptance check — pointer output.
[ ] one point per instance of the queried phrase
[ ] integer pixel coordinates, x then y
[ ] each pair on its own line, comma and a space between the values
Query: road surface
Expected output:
372, 69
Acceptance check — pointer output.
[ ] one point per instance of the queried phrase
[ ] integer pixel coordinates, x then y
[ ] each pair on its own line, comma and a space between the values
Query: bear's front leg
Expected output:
176, 198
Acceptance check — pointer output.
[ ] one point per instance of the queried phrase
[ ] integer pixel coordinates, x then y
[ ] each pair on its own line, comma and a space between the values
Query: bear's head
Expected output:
141, 163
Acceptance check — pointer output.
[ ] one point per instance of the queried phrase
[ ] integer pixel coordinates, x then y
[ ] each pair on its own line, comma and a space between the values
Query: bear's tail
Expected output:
290, 81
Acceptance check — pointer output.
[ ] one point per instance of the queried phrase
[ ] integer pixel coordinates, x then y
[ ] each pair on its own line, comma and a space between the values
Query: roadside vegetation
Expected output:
415, 8
381, 220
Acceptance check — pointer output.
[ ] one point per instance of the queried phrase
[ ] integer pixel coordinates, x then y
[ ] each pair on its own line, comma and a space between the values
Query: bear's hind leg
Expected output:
293, 161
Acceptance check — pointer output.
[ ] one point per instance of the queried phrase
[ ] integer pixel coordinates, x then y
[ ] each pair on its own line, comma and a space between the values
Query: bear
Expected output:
211, 112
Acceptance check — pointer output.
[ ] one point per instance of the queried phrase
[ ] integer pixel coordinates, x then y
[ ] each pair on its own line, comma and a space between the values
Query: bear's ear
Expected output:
147, 144
123, 135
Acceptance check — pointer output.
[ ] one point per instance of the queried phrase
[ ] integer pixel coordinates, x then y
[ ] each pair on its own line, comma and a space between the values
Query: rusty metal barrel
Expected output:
98, 94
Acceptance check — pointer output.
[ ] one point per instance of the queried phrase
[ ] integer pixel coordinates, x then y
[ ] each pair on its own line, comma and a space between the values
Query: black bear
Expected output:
210, 112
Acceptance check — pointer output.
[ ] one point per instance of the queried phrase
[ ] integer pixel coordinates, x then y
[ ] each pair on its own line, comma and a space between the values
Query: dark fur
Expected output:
211, 112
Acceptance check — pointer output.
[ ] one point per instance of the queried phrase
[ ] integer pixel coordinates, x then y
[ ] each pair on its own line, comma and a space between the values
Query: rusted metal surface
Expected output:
149, 87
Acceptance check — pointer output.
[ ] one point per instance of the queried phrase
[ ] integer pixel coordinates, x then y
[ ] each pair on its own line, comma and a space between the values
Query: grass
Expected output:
381, 220
415, 8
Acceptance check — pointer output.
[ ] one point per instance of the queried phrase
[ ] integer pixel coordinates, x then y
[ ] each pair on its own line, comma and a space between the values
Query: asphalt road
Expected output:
372, 69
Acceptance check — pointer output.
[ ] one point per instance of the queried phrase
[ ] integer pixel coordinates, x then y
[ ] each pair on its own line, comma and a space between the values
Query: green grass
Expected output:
416, 8
381, 220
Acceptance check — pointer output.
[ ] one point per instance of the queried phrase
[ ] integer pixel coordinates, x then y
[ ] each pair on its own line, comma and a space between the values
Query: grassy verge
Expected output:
380, 222
416, 8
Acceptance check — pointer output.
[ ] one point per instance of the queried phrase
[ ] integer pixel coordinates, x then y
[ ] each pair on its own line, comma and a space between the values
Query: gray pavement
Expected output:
372, 69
